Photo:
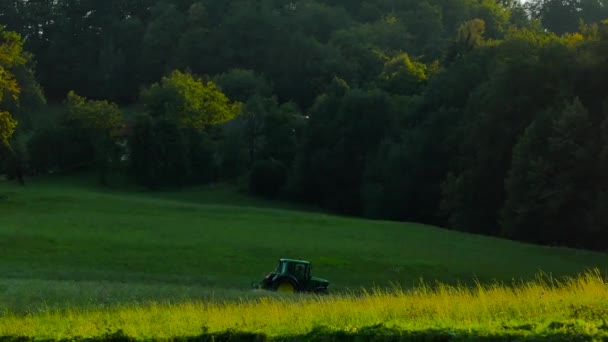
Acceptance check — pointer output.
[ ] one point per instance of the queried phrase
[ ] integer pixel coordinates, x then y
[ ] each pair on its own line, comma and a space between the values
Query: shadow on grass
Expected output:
377, 333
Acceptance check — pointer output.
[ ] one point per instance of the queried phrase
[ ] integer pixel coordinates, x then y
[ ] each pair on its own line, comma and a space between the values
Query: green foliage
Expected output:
495, 17
7, 127
403, 76
11, 56
233, 155
269, 129
564, 16
346, 126
100, 121
72, 149
96, 116
240, 85
551, 185
396, 183
604, 29
19, 94
159, 153
319, 20
144, 160
160, 40
498, 111
190, 101
303, 67
427, 23
31, 99
201, 150
20, 112
470, 35
112, 49
282, 131
267, 178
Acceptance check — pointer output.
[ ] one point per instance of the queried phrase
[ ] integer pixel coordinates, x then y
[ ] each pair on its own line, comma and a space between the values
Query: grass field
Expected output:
70, 246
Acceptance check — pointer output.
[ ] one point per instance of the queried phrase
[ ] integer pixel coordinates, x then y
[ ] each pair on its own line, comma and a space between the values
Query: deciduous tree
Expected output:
189, 100
101, 119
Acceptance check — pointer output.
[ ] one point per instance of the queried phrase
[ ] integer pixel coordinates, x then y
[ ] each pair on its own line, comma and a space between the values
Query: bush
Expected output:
201, 152
158, 153
267, 178
58, 148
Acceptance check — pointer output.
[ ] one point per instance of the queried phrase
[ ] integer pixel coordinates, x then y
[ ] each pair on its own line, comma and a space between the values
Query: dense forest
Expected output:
486, 116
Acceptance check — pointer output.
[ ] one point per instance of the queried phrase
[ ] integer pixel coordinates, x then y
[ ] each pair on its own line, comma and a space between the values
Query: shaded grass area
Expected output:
545, 309
229, 193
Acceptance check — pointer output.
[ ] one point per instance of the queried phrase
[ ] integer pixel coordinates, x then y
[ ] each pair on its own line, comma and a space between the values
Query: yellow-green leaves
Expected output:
402, 75
194, 103
471, 33
7, 127
11, 49
403, 63
95, 115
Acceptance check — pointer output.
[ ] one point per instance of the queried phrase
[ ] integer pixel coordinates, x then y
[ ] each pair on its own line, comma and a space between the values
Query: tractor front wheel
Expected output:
286, 287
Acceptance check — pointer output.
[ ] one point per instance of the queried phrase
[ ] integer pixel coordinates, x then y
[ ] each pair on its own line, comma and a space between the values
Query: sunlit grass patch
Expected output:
544, 307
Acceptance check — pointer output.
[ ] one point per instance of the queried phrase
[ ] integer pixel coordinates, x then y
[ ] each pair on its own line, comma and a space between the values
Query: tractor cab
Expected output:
299, 269
293, 275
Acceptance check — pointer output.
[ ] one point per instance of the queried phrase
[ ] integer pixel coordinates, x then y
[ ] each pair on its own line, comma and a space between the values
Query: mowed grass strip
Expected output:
543, 308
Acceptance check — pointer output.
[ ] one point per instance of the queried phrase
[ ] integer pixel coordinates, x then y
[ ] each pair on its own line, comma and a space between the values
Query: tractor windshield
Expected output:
279, 268
299, 270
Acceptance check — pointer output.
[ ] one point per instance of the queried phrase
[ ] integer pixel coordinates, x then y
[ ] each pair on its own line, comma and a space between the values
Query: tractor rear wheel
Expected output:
286, 287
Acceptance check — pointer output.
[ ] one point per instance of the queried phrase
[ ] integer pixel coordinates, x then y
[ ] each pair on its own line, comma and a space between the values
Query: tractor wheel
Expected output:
286, 287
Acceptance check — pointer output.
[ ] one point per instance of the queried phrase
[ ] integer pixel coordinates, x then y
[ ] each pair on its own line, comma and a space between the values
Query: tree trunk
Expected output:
104, 151
19, 173
103, 172
14, 165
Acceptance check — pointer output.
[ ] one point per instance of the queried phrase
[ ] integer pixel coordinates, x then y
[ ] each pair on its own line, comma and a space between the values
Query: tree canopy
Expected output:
194, 103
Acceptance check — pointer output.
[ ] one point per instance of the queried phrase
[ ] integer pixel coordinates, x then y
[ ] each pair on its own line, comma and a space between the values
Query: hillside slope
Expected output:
61, 242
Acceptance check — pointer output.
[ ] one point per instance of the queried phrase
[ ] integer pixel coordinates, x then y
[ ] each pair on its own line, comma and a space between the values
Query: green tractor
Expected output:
293, 276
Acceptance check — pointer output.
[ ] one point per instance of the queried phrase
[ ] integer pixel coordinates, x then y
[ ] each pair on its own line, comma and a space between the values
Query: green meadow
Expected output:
79, 261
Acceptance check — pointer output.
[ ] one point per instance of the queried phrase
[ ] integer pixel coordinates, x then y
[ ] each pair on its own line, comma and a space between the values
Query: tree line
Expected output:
486, 116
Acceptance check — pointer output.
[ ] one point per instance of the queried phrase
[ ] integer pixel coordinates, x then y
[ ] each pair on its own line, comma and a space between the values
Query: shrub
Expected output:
267, 178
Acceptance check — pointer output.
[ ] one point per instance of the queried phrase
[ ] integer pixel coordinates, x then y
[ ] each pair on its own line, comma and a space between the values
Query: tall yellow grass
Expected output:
490, 308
